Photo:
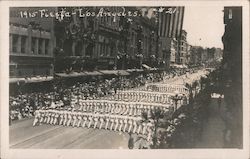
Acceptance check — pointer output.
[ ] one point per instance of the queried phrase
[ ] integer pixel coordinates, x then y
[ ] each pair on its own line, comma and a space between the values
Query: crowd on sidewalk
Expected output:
23, 105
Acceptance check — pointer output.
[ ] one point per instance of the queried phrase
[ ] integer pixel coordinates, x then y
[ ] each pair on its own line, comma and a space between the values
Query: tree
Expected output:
155, 115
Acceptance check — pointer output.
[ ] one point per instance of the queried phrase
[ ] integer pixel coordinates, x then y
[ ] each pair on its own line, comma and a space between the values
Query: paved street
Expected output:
23, 135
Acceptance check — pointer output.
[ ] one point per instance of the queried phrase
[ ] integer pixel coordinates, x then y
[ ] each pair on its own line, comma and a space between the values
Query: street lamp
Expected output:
176, 98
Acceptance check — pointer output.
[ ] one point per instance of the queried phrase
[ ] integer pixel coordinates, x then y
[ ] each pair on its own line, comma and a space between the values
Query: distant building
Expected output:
182, 48
204, 55
218, 55
173, 50
196, 55
31, 42
188, 56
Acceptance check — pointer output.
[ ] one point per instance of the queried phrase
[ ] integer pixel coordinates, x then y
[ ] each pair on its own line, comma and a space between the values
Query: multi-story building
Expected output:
31, 42
232, 74
218, 54
142, 40
88, 42
204, 55
169, 30
182, 48
188, 56
195, 55
173, 50
105, 42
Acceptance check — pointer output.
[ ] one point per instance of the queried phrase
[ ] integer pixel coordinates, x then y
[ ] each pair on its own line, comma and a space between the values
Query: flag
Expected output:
170, 25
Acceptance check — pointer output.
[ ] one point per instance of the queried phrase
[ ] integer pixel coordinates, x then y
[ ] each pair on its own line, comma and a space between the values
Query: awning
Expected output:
15, 80
135, 70
122, 73
73, 74
41, 79
146, 66
93, 73
109, 72
30, 80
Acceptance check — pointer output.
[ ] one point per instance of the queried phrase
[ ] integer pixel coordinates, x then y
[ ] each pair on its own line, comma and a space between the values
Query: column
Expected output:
83, 48
43, 46
73, 48
36, 46
29, 40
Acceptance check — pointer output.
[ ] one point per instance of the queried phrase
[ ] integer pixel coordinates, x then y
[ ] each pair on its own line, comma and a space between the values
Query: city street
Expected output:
23, 135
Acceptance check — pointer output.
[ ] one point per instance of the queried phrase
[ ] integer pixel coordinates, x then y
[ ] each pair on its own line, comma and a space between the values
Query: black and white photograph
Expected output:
126, 77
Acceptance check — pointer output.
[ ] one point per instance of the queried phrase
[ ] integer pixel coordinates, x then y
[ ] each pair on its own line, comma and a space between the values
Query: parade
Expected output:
121, 111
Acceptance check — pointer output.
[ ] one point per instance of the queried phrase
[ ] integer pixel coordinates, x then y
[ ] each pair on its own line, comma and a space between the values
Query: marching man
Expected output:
42, 116
61, 118
65, 118
101, 120
37, 117
69, 118
45, 115
56, 117
85, 118
107, 122
121, 123
79, 117
74, 118
53, 113
117, 123
90, 120
112, 123
49, 116
130, 125
135, 125
96, 120
126, 123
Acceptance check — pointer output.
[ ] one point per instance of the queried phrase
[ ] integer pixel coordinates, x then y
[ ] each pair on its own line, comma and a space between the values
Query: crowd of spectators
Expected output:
23, 105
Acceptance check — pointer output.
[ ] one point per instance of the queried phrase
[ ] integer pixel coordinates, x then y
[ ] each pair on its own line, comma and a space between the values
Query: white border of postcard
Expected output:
115, 154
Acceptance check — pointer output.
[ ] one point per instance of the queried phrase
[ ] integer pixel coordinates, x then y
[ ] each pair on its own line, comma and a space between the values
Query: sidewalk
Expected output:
213, 130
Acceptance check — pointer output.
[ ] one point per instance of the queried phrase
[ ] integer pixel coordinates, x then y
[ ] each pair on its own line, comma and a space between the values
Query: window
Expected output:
23, 44
46, 46
40, 46
230, 14
14, 42
33, 45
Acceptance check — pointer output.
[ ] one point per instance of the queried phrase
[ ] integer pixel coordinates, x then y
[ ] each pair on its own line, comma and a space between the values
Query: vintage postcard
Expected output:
105, 79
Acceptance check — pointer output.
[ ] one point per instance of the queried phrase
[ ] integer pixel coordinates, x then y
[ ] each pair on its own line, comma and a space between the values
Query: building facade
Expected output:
169, 32
232, 73
182, 48
105, 42
31, 44
188, 57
